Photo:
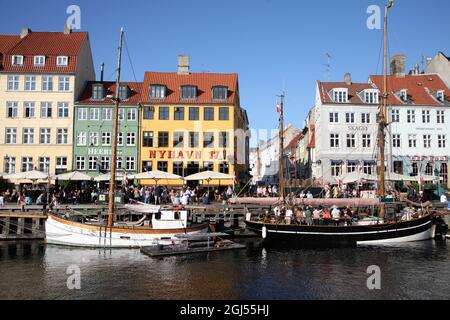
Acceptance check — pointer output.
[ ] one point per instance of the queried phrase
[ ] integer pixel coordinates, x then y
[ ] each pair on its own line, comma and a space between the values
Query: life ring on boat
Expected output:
177, 207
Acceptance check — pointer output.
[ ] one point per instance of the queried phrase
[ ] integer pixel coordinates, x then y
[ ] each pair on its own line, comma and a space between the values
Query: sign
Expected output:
358, 128
429, 158
186, 155
102, 152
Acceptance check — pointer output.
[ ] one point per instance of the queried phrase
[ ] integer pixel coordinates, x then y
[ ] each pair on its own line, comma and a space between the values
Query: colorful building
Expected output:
93, 128
41, 75
192, 122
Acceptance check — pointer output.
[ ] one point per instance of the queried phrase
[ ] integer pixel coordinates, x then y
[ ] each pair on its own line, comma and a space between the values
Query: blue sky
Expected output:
272, 45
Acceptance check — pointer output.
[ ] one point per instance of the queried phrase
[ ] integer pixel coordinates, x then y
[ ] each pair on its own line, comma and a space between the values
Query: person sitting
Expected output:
2, 200
308, 216
289, 215
309, 195
336, 214
206, 198
444, 198
348, 215
317, 213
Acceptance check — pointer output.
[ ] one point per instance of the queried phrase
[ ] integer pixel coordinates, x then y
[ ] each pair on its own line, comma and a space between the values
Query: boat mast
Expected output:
112, 182
281, 171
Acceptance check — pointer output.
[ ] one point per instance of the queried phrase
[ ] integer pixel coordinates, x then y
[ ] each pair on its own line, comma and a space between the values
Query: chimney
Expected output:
102, 69
24, 32
183, 64
67, 28
398, 65
348, 79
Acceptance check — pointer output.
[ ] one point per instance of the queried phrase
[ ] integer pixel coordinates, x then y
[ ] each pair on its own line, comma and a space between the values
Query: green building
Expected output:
93, 128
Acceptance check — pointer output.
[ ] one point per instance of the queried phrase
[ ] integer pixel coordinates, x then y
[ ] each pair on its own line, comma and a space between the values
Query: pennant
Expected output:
391, 4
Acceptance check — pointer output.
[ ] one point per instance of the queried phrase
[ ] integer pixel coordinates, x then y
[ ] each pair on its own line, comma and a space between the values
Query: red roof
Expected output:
203, 81
7, 42
110, 89
420, 88
49, 44
293, 143
353, 90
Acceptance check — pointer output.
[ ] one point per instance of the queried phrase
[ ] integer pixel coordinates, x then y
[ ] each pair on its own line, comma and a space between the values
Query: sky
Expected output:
274, 46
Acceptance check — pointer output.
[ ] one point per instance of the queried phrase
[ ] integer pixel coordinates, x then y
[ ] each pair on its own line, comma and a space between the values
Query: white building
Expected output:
440, 64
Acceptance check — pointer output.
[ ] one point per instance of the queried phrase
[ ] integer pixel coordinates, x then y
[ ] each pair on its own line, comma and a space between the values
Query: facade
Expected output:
419, 115
93, 128
440, 65
41, 75
192, 122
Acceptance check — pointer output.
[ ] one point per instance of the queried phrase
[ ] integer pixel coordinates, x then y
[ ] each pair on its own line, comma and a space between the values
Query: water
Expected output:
34, 270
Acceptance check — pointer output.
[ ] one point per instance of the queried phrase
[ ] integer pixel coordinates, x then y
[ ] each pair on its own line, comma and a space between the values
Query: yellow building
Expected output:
193, 122
41, 75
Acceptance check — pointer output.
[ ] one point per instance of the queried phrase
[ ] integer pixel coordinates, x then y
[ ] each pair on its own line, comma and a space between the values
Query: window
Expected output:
46, 109
366, 141
411, 116
178, 113
208, 166
365, 117
336, 167
396, 140
92, 163
351, 140
98, 92
80, 163
147, 139
121, 113
120, 138
104, 163
178, 168
188, 92
440, 95
444, 173
412, 140
403, 95
223, 139
220, 93
30, 83
130, 163
192, 168
27, 164
157, 92
163, 139
414, 169
224, 113
61, 165
395, 115
17, 60
162, 166
350, 117
440, 116
334, 140
11, 136
29, 110
149, 113
64, 83
47, 83
178, 139
334, 117
442, 140
93, 139
63, 109
351, 166
62, 60
81, 138
107, 114
131, 138
367, 168
193, 139
13, 83
194, 113
340, 95
398, 167
429, 169
371, 97
62, 136
427, 141
82, 113
131, 114
163, 113
147, 166
224, 167
12, 109
44, 164
106, 138
94, 114
209, 114
123, 92
28, 136
208, 140
10, 165
119, 163
425, 116
45, 135
39, 60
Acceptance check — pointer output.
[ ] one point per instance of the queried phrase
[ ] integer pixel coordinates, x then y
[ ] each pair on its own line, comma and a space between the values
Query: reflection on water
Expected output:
33, 270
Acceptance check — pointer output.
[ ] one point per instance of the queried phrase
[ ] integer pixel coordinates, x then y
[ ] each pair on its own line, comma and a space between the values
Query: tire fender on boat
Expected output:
264, 232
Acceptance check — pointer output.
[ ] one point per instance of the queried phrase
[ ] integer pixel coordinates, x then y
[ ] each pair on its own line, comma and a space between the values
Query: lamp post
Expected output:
436, 173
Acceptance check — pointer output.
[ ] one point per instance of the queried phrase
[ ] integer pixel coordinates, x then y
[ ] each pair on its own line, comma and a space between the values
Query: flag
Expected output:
278, 106
391, 3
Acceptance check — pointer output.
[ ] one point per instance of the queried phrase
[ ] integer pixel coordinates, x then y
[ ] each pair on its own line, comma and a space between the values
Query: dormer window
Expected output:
404, 95
188, 92
39, 60
440, 95
340, 95
220, 93
157, 92
98, 92
62, 60
17, 60
123, 92
371, 96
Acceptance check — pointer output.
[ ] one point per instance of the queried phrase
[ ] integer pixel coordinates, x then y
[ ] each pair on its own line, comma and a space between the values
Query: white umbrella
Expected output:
107, 177
209, 175
73, 176
157, 175
29, 175
358, 176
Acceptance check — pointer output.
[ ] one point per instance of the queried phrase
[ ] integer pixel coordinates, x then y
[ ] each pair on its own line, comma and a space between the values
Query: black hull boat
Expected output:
336, 236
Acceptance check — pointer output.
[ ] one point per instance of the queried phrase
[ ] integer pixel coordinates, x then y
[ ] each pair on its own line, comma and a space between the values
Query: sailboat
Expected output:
415, 225
164, 227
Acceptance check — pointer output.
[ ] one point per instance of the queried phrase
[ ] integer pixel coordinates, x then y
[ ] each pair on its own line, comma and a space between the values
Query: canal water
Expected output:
34, 270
